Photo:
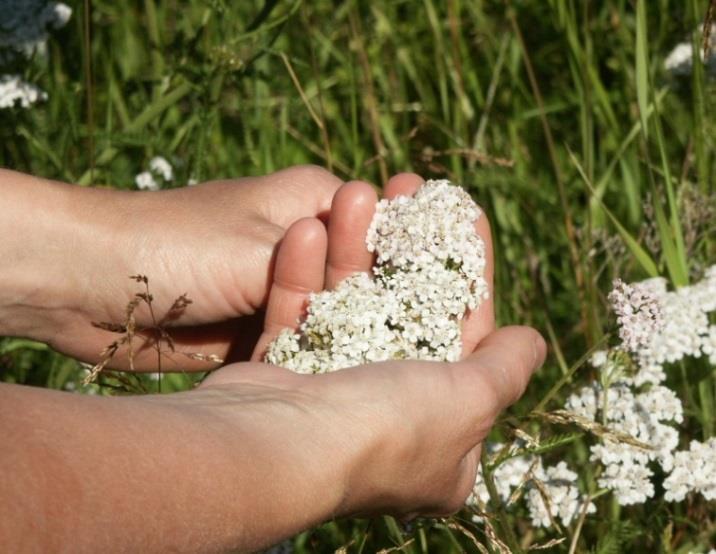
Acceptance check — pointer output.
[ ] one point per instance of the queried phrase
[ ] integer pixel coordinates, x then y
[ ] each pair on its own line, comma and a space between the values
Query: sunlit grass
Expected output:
558, 116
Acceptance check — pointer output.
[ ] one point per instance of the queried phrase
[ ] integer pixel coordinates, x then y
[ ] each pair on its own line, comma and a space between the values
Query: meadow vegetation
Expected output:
592, 161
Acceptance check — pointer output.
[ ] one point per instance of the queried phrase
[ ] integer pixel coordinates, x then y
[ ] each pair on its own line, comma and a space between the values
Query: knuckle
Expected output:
311, 173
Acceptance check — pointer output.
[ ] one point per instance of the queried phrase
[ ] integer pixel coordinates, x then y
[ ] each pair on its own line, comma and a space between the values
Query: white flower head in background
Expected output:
694, 471
24, 26
557, 497
646, 416
160, 173
161, 167
512, 473
14, 91
680, 60
657, 327
429, 272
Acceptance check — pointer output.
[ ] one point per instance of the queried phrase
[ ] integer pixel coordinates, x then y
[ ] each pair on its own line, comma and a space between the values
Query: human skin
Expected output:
257, 453
68, 253
253, 456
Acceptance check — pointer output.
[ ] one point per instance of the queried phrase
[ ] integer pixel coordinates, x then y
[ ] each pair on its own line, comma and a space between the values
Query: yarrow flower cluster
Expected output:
680, 60
657, 327
512, 473
24, 26
694, 470
556, 496
14, 91
551, 493
160, 173
638, 314
644, 416
429, 271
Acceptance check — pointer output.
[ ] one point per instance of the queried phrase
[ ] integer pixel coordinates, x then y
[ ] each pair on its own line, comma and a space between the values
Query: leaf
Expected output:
642, 66
637, 251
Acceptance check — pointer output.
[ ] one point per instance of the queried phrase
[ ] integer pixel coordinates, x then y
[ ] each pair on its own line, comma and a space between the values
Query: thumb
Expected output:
502, 365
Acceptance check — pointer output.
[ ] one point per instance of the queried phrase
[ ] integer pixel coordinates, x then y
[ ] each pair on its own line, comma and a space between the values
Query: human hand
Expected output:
68, 253
394, 437
254, 455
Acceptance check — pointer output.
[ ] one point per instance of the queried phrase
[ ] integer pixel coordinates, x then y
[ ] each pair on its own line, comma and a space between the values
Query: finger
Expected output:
351, 213
300, 266
500, 369
300, 191
402, 184
479, 323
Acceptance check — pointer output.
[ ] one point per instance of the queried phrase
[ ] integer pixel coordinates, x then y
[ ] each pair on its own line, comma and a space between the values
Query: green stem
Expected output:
508, 534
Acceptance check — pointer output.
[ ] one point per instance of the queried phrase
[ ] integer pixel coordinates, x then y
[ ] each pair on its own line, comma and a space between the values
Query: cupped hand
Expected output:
397, 437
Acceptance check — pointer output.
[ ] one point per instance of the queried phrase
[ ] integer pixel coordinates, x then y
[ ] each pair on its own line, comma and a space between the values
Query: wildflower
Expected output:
694, 471
679, 61
145, 181
643, 415
685, 330
429, 271
556, 497
509, 475
638, 314
160, 173
14, 90
161, 167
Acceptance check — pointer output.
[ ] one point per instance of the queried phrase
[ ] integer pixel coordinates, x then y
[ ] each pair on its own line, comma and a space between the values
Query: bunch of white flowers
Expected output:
644, 416
551, 492
512, 473
24, 28
556, 496
13, 91
638, 314
160, 172
694, 470
680, 60
657, 327
429, 270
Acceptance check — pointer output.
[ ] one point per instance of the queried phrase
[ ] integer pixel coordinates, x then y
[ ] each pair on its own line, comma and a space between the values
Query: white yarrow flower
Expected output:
160, 173
645, 416
638, 314
563, 500
694, 471
14, 91
680, 60
145, 181
161, 166
429, 271
510, 474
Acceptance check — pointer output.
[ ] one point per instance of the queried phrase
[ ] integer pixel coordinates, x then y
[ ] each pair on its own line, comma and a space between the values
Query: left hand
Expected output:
68, 253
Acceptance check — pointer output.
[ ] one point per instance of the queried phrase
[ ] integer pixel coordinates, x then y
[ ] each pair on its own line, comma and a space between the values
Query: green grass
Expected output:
600, 143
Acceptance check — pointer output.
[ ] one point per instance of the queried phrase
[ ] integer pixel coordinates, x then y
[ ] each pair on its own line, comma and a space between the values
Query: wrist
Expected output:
39, 276
289, 463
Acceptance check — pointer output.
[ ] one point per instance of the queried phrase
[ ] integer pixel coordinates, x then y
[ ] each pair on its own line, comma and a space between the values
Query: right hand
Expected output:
401, 437
397, 437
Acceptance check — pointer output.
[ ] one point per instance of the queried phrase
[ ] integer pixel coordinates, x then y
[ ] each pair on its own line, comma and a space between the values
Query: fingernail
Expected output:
539, 351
